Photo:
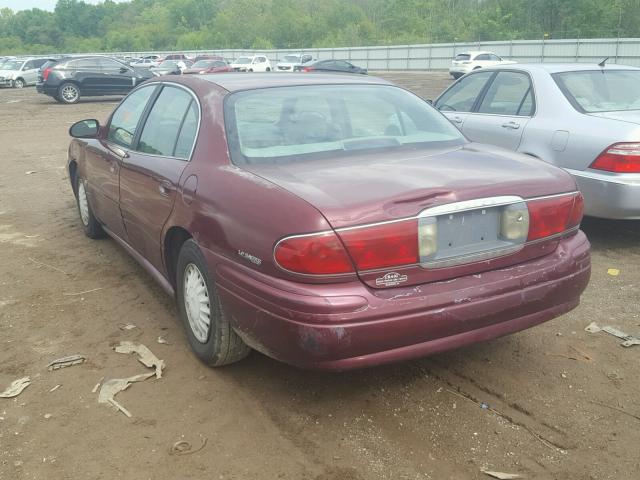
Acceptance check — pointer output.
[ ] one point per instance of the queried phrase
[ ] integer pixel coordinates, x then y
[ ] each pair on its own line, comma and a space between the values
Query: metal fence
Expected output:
438, 56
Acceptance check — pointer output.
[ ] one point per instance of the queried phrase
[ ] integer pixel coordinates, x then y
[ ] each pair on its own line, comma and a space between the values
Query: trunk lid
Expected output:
378, 187
630, 116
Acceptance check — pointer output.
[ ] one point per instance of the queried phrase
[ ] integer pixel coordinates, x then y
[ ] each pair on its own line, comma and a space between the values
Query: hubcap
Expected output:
69, 93
83, 203
196, 303
19, 83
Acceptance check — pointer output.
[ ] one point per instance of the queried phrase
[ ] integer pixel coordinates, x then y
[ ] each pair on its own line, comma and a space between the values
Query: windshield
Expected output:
601, 90
243, 60
291, 58
297, 123
12, 65
463, 56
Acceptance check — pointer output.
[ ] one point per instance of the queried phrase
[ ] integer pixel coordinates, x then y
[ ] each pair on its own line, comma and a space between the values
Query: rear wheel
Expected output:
69, 93
18, 83
268, 69
90, 224
456, 75
208, 329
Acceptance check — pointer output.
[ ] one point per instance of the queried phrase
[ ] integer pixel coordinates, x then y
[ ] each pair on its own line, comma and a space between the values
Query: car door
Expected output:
459, 99
86, 72
150, 175
118, 78
29, 72
103, 159
503, 111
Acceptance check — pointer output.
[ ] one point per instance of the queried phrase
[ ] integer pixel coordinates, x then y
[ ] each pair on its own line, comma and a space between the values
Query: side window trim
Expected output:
175, 145
534, 109
145, 115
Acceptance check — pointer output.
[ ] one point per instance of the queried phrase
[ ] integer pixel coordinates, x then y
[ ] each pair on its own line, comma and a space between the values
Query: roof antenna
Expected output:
602, 63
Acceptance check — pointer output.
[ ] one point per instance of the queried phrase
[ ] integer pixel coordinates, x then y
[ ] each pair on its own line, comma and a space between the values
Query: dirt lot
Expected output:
562, 403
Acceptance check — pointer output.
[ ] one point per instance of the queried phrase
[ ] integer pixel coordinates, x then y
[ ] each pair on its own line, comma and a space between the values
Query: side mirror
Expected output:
85, 129
429, 101
123, 70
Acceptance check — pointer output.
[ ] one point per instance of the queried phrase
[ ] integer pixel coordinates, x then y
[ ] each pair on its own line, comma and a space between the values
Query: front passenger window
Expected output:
462, 95
124, 122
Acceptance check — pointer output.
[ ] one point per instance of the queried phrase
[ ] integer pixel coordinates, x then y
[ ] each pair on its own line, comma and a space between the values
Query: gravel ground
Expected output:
562, 403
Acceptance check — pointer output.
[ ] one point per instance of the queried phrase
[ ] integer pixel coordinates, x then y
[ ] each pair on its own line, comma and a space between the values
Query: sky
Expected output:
41, 4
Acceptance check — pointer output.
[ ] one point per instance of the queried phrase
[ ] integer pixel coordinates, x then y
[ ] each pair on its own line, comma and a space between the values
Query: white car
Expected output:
468, 61
257, 63
293, 62
145, 63
21, 72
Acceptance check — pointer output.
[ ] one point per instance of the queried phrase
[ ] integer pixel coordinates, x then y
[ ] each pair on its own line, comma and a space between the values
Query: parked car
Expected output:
21, 72
207, 57
176, 56
70, 78
208, 66
145, 63
341, 66
583, 118
257, 63
333, 222
468, 61
171, 67
293, 62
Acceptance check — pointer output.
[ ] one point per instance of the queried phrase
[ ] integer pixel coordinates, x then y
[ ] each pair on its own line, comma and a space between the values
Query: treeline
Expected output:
145, 25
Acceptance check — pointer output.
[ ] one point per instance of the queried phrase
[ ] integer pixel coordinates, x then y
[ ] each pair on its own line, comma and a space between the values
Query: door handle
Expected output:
511, 125
166, 187
456, 120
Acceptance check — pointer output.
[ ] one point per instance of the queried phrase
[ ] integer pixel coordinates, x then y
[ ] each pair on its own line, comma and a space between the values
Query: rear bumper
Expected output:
609, 195
46, 89
340, 327
461, 69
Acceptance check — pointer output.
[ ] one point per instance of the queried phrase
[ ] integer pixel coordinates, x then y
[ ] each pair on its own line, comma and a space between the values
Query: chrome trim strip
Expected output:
475, 204
195, 140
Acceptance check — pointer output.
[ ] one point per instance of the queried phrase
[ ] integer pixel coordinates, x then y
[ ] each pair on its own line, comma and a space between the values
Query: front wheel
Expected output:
208, 329
69, 93
268, 69
19, 83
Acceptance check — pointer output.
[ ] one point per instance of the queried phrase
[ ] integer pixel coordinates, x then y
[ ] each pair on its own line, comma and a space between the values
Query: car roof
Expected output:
561, 67
233, 82
474, 52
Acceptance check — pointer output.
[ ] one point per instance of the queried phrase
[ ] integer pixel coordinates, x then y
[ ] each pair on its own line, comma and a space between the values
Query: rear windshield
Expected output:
284, 124
291, 58
601, 90
463, 56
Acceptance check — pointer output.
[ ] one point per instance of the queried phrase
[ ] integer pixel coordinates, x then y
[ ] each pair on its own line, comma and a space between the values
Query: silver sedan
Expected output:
581, 117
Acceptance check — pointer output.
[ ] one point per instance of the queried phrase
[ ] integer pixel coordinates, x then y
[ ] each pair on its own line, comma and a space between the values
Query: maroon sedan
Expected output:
328, 221
208, 66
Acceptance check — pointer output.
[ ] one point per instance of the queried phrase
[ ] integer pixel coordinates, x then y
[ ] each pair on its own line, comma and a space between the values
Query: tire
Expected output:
89, 222
18, 83
268, 69
69, 93
250, 70
456, 75
216, 344
477, 68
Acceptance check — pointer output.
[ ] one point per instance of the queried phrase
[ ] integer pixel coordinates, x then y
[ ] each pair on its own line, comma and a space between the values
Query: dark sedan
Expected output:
341, 66
333, 222
70, 78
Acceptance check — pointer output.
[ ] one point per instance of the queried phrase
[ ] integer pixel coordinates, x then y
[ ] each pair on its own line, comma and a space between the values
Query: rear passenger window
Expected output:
509, 94
122, 128
462, 95
165, 121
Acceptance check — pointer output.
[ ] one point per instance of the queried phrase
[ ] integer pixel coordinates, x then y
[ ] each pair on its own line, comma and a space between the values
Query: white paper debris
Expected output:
501, 475
112, 387
66, 362
145, 356
16, 388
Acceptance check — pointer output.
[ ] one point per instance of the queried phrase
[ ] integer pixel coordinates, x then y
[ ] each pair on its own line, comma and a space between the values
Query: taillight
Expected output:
316, 254
307, 69
551, 216
619, 158
46, 72
381, 246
